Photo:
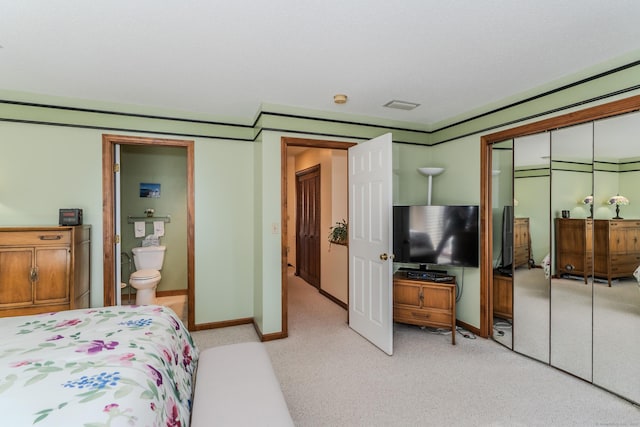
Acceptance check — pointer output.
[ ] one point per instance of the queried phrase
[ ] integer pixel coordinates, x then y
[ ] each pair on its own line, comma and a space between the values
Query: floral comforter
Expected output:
112, 366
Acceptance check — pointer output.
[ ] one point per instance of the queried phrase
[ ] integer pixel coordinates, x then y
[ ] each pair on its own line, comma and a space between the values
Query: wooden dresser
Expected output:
521, 242
617, 248
44, 269
574, 247
424, 303
502, 296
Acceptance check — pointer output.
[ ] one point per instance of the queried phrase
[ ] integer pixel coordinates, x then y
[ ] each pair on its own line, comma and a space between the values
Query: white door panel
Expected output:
370, 281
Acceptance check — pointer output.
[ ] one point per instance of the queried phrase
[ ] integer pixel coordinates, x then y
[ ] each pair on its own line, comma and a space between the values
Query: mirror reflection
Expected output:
567, 290
502, 199
531, 237
571, 286
616, 304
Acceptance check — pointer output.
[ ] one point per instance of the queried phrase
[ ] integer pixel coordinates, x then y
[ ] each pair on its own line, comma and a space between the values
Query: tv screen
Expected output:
441, 235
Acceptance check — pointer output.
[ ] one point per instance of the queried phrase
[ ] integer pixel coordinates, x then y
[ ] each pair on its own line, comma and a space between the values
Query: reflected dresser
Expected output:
521, 242
574, 247
617, 248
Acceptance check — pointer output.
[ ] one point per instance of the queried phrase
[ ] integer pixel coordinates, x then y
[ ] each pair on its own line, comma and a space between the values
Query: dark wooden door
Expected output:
308, 225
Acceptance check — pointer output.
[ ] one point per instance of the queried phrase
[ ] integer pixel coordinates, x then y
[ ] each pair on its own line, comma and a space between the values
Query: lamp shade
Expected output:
618, 200
430, 171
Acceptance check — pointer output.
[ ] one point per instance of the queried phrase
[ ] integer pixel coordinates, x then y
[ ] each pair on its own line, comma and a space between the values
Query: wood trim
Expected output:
486, 242
108, 212
268, 337
334, 299
108, 226
284, 243
317, 143
223, 324
468, 327
172, 293
609, 109
284, 144
191, 225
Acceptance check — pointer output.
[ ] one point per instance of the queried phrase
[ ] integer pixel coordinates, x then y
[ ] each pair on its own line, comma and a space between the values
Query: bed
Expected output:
112, 366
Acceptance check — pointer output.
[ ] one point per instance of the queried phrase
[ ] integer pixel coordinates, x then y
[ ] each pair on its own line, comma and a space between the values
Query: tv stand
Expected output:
425, 302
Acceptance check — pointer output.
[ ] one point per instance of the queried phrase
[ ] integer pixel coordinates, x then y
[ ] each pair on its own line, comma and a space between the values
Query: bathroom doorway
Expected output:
159, 161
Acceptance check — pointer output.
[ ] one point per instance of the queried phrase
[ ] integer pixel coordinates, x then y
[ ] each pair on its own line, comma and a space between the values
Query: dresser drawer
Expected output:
419, 317
625, 269
29, 238
625, 259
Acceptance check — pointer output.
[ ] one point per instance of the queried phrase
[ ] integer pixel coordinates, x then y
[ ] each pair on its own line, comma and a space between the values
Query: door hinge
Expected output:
116, 167
117, 239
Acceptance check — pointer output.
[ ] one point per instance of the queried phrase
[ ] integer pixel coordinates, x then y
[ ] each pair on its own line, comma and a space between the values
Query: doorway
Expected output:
109, 143
289, 251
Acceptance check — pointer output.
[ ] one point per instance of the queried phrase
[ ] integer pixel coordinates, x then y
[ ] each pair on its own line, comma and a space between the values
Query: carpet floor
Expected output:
331, 376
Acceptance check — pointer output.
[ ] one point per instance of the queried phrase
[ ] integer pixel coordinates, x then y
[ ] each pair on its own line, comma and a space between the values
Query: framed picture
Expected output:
149, 190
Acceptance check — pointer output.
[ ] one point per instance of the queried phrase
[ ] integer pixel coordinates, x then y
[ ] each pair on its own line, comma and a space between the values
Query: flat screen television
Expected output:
439, 235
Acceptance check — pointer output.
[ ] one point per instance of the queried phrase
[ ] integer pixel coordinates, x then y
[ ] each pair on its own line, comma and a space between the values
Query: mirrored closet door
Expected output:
616, 292
567, 202
502, 214
532, 237
572, 281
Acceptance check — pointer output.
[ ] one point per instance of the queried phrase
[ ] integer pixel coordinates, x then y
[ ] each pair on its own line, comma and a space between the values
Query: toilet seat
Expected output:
145, 275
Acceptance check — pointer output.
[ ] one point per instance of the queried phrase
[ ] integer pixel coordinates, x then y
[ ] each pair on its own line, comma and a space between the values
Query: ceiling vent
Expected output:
401, 105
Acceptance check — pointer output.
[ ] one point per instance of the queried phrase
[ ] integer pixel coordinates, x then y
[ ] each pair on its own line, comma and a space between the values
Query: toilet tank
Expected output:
148, 257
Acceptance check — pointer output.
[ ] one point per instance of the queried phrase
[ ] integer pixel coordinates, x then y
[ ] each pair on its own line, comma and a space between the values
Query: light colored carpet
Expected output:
331, 376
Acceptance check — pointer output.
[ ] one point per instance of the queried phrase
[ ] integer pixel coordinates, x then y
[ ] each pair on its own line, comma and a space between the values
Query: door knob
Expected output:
385, 257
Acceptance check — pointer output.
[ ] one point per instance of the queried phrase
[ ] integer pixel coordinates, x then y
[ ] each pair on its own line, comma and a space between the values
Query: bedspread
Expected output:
112, 366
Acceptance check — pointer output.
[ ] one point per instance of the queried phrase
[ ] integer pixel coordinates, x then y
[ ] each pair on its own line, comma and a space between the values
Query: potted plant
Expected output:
339, 233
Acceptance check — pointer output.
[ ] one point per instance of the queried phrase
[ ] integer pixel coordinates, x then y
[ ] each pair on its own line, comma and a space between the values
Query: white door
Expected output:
370, 241
117, 224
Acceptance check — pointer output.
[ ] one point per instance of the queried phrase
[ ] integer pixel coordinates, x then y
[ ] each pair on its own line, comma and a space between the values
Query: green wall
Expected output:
44, 168
224, 230
459, 184
533, 195
51, 158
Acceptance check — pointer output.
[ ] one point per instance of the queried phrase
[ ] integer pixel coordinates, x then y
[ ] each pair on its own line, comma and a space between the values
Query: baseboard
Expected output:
171, 293
469, 328
223, 324
334, 299
268, 337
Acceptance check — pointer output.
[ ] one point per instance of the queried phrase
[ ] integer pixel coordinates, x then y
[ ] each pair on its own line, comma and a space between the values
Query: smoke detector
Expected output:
340, 98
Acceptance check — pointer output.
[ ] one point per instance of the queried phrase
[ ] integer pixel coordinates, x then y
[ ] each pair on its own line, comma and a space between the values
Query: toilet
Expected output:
148, 262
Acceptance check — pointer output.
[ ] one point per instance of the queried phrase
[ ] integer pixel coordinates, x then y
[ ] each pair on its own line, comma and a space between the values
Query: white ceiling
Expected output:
225, 58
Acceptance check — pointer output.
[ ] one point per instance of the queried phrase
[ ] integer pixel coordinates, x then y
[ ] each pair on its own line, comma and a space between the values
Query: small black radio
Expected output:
70, 217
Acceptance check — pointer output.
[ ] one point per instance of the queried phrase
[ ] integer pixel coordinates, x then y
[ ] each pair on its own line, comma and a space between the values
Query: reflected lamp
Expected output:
618, 200
589, 201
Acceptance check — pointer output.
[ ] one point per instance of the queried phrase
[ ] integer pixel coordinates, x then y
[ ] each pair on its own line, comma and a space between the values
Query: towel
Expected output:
158, 228
139, 228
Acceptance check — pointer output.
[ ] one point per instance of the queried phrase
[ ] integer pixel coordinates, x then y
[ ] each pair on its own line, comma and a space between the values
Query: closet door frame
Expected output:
610, 109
